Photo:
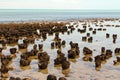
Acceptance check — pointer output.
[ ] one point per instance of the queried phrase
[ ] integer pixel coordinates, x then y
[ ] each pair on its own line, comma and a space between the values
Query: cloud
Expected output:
60, 4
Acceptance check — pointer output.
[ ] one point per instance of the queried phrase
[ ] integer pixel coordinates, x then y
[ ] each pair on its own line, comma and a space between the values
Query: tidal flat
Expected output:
86, 49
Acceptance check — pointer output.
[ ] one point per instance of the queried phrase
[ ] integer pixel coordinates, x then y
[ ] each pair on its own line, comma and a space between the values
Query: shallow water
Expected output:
19, 15
79, 69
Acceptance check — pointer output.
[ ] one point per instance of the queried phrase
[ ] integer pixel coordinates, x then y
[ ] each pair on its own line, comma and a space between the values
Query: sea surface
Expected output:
16, 15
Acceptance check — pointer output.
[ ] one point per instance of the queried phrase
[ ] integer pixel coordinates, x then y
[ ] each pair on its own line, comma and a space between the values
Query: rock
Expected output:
40, 46
103, 50
84, 38
108, 54
43, 64
87, 51
5, 59
63, 42
17, 78
94, 32
33, 52
35, 47
12, 78
97, 61
59, 60
57, 37
86, 58
90, 39
25, 62
88, 34
62, 78
4, 69
13, 50
52, 45
71, 54
74, 45
107, 35
1, 50
90, 29
25, 55
103, 57
65, 65
117, 50
114, 36
117, 61
43, 56
51, 77
22, 46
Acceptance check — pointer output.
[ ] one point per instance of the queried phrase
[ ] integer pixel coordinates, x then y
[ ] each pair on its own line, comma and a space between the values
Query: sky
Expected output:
60, 4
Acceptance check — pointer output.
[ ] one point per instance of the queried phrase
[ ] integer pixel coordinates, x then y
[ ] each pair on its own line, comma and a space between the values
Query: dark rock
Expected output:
33, 52
90, 39
17, 78
107, 35
24, 62
94, 32
88, 34
43, 56
12, 78
62, 78
114, 36
52, 45
90, 29
74, 45
108, 54
5, 59
71, 54
43, 64
102, 49
86, 58
4, 69
118, 59
59, 60
51, 77
84, 38
35, 47
1, 50
40, 46
25, 55
63, 42
87, 51
22, 46
97, 61
13, 50
65, 65
103, 57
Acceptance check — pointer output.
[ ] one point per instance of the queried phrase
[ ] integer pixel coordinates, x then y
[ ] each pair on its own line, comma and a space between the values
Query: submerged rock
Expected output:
51, 77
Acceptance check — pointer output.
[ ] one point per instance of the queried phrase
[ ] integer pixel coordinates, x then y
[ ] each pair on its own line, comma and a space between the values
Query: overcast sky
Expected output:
60, 4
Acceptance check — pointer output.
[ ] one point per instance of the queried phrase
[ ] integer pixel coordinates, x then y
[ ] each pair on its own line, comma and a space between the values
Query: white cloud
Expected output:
61, 4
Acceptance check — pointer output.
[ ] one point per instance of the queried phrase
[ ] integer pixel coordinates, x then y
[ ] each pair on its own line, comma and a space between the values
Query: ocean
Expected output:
7, 15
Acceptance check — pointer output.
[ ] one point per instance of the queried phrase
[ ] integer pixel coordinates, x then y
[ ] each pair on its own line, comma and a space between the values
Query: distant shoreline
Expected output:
62, 20
28, 15
66, 10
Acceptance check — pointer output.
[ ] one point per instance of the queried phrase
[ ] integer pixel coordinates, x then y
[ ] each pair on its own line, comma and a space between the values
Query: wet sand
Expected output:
79, 69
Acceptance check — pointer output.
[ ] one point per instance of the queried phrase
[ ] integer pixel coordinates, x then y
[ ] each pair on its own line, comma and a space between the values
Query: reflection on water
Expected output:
44, 71
25, 68
78, 66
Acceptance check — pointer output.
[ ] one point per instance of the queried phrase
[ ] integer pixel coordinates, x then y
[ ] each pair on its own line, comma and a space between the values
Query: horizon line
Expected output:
58, 9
